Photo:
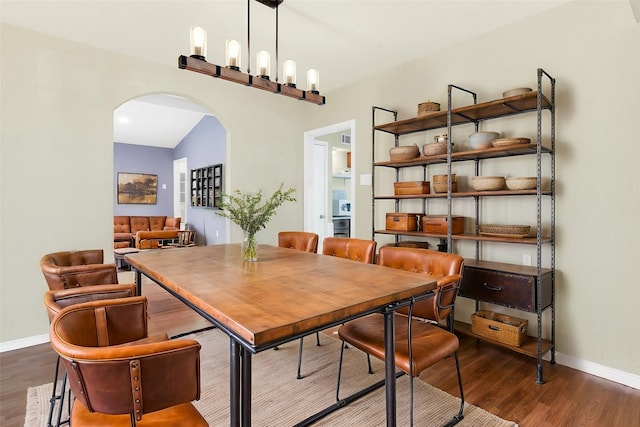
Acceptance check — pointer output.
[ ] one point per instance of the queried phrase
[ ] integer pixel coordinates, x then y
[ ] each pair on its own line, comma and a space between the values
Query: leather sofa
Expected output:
125, 229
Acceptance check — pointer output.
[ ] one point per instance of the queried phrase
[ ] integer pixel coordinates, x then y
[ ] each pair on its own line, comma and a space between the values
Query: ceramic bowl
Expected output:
480, 140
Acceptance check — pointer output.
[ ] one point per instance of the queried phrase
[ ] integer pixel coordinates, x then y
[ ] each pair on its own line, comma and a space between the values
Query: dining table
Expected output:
285, 295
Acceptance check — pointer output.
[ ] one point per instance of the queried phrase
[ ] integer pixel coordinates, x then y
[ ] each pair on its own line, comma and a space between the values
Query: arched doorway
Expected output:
168, 136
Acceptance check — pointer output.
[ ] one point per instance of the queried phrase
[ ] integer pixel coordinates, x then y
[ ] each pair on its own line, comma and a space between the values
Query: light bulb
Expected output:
233, 54
313, 81
198, 41
263, 60
290, 73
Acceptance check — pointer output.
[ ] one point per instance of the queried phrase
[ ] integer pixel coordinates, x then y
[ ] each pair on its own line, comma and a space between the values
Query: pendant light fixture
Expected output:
196, 61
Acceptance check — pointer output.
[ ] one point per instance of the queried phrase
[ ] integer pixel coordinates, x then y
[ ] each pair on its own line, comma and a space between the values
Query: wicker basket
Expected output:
406, 152
499, 327
504, 230
487, 183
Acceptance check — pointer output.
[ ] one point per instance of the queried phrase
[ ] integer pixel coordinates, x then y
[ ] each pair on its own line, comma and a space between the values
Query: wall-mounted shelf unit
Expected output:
526, 288
206, 186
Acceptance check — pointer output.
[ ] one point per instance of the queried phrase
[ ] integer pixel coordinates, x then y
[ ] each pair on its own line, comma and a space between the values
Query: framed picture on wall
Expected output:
137, 188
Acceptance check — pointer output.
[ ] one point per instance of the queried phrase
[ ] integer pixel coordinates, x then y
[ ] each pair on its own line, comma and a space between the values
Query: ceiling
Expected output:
345, 40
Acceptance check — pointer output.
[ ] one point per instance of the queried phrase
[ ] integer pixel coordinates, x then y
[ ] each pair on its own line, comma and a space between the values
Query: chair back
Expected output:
111, 374
446, 267
56, 300
350, 248
69, 269
299, 240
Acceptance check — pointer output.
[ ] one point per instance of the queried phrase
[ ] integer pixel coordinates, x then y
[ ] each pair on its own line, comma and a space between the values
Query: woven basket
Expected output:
487, 183
522, 183
406, 152
505, 142
505, 230
499, 327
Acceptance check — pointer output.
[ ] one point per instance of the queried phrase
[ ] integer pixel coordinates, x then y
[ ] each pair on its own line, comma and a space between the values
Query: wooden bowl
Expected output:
521, 183
487, 183
406, 152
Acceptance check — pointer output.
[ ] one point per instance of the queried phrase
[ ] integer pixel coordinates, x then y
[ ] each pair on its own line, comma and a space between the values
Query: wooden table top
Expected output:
285, 293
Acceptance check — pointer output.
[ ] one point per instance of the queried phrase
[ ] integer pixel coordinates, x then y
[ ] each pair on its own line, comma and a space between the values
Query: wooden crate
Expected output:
399, 221
438, 224
499, 327
411, 187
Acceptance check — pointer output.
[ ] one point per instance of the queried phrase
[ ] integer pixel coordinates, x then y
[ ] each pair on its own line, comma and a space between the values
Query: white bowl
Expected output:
480, 140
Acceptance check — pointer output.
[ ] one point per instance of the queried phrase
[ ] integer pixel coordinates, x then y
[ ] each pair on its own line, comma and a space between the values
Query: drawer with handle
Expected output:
505, 288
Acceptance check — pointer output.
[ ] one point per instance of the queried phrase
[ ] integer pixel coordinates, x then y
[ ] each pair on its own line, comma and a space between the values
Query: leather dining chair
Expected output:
299, 240
71, 269
419, 343
342, 247
54, 302
118, 374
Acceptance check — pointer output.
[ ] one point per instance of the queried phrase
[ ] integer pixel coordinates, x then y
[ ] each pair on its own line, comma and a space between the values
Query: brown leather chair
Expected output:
343, 247
299, 240
54, 302
70, 269
419, 343
121, 376
350, 248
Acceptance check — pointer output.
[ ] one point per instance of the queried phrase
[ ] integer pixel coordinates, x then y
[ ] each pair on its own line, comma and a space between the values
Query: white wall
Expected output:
593, 51
57, 100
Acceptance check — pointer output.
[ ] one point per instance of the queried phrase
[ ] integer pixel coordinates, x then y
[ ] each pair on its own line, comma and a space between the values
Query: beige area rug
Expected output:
279, 399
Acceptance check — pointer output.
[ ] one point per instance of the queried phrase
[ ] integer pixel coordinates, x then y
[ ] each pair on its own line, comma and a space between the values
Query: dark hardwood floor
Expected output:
500, 381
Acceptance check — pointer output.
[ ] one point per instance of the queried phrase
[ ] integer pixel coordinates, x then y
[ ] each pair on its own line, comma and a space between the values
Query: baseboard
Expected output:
23, 342
615, 375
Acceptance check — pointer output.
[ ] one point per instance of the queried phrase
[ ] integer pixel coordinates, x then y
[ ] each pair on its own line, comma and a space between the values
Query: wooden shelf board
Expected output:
466, 194
486, 153
468, 236
529, 347
492, 109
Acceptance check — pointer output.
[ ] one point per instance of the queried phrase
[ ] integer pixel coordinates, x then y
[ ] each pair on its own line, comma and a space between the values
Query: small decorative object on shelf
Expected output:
250, 214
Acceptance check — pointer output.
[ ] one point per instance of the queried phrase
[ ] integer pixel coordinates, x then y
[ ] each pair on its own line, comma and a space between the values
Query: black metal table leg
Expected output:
390, 366
234, 383
246, 388
138, 282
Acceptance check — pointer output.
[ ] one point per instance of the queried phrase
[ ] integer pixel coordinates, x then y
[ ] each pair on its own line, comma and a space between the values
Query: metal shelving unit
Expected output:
534, 102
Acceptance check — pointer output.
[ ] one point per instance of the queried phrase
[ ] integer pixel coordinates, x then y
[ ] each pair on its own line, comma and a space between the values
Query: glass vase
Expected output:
249, 247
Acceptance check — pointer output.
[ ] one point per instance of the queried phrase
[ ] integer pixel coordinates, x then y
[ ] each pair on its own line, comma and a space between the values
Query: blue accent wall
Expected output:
204, 145
158, 161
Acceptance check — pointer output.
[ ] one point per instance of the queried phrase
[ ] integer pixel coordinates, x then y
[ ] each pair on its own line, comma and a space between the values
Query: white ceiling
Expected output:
345, 40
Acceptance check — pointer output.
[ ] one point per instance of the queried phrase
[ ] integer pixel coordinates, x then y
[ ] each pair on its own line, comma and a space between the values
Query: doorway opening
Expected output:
329, 162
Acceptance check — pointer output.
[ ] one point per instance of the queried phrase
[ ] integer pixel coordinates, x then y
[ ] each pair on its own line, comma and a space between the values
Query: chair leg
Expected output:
342, 347
62, 393
54, 397
58, 397
299, 376
459, 416
318, 339
369, 363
